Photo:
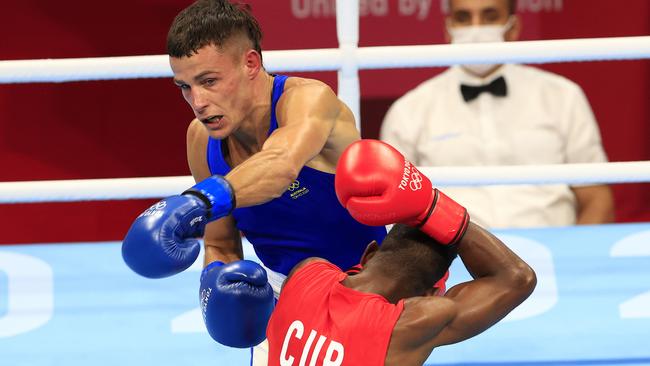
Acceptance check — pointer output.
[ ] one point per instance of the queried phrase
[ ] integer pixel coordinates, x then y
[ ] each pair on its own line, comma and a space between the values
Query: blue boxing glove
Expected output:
236, 302
161, 241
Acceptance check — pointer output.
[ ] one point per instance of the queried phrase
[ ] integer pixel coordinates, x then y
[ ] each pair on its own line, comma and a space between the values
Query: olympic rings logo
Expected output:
156, 209
159, 206
293, 186
416, 181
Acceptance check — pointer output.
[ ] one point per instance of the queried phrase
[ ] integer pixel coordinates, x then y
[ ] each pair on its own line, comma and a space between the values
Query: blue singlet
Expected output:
306, 221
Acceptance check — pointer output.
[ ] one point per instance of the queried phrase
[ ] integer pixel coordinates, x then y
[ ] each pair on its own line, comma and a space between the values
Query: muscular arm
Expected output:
595, 204
221, 238
308, 113
501, 282
222, 241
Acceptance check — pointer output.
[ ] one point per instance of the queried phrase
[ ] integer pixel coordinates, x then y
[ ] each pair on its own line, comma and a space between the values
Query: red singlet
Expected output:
318, 321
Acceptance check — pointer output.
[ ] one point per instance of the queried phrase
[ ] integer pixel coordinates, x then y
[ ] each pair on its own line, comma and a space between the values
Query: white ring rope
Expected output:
130, 67
138, 188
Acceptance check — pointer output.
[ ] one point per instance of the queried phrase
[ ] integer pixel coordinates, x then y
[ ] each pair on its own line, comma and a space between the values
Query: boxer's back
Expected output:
318, 317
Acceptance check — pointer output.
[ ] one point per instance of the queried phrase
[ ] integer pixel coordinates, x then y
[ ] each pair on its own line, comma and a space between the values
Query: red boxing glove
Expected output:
378, 186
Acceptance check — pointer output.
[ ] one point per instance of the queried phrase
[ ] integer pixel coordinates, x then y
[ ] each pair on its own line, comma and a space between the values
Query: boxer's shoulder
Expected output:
306, 264
425, 303
298, 82
311, 100
197, 144
196, 133
304, 90
422, 319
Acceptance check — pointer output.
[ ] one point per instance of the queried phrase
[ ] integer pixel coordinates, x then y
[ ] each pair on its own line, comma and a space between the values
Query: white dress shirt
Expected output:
544, 119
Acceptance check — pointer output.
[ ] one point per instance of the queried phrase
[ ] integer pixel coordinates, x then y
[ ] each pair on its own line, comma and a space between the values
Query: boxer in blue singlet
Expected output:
304, 220
263, 150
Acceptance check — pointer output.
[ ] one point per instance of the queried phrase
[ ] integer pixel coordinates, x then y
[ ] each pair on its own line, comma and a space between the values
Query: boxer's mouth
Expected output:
212, 121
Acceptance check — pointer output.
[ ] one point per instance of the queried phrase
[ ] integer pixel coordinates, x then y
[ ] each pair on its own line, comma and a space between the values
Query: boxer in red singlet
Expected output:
386, 314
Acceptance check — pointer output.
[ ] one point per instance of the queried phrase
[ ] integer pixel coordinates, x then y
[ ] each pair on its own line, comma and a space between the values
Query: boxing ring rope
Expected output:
332, 59
158, 187
348, 59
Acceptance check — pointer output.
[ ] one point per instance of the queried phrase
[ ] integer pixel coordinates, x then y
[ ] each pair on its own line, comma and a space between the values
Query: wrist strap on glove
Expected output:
217, 193
446, 220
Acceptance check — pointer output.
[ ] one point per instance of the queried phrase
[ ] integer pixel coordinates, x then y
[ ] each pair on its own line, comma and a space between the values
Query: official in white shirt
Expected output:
482, 115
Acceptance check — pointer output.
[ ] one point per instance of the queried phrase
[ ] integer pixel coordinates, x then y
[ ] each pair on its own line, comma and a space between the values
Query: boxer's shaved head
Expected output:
417, 259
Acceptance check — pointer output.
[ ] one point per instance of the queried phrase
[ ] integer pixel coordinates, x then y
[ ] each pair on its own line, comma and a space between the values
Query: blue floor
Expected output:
78, 304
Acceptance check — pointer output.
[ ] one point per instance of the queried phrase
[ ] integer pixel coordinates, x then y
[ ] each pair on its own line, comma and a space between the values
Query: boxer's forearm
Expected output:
485, 255
308, 114
215, 253
263, 177
222, 241
501, 282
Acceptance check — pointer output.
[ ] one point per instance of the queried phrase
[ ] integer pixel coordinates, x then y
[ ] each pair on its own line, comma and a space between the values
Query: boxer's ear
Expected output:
370, 251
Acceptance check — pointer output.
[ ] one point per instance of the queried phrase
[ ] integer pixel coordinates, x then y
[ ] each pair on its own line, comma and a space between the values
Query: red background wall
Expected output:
136, 128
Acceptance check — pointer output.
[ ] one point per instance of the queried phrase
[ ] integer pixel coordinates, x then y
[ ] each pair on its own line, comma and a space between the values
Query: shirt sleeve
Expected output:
400, 130
583, 142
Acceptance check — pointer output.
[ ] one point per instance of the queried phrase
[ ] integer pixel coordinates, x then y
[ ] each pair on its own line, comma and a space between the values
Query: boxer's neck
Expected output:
377, 282
254, 128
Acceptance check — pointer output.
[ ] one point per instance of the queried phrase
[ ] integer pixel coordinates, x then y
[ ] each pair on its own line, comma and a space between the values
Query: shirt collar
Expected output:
466, 78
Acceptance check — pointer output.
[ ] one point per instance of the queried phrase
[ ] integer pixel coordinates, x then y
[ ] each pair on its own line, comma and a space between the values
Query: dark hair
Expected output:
211, 22
419, 260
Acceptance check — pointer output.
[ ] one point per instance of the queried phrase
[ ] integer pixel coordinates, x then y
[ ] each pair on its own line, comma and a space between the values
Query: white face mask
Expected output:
479, 34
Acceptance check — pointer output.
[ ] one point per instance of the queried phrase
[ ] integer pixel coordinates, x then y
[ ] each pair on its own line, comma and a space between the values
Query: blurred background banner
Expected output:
78, 304
136, 128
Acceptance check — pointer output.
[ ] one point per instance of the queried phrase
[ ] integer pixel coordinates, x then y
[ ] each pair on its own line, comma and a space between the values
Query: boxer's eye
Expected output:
208, 82
181, 86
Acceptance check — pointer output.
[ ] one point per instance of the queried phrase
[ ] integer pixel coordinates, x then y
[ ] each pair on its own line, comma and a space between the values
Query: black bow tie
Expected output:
497, 87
